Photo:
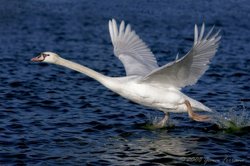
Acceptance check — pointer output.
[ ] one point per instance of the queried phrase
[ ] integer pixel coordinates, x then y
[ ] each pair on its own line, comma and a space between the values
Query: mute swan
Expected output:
145, 83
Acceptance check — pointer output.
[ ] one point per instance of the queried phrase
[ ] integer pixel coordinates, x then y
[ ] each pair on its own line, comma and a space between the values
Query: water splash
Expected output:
153, 119
233, 120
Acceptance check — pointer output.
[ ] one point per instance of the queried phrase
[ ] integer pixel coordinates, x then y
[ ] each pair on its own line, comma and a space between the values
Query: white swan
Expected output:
145, 83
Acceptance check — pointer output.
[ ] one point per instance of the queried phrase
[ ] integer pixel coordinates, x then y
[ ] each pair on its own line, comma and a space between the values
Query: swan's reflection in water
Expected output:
161, 148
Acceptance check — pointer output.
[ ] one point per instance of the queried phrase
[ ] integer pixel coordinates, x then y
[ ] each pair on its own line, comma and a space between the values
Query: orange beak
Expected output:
37, 59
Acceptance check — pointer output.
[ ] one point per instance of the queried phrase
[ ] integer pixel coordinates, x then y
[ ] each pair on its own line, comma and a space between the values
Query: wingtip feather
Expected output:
195, 34
209, 33
115, 29
111, 31
121, 29
202, 32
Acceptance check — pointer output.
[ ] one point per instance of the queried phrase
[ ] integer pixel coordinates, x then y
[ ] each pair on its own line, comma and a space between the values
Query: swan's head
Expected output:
48, 57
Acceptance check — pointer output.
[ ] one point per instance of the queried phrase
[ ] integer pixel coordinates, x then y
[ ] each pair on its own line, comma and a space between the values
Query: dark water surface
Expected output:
50, 115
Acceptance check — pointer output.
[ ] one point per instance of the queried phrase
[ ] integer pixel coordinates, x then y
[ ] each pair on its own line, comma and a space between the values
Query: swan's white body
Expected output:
146, 83
160, 98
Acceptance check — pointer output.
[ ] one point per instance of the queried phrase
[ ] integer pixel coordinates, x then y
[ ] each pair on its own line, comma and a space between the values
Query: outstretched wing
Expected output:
188, 69
131, 50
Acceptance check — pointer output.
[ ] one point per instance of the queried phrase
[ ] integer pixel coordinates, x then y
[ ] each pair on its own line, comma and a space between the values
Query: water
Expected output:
51, 115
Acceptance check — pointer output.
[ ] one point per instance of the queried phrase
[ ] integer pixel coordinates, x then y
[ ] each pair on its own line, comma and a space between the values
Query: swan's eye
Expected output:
45, 55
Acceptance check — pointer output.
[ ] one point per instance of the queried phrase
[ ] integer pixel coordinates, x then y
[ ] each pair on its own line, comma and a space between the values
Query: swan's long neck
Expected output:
82, 69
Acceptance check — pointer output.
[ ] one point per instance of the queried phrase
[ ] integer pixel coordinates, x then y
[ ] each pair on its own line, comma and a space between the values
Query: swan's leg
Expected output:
194, 116
163, 122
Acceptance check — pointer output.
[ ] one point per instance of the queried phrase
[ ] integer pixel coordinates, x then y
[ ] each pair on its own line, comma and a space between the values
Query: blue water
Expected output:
51, 115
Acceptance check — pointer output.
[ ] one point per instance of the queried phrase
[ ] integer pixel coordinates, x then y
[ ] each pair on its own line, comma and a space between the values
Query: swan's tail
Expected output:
198, 106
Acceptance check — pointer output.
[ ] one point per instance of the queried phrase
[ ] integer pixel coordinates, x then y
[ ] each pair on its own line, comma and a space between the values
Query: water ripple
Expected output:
50, 115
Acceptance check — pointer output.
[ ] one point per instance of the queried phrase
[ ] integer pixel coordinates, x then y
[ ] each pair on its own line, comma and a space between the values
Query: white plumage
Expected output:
131, 50
139, 60
146, 83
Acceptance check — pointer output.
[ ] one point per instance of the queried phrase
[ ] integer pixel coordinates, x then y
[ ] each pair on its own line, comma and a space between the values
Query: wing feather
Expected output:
188, 69
131, 50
